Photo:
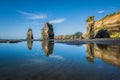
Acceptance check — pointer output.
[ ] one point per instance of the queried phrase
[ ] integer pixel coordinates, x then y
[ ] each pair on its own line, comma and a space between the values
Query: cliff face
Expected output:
47, 32
29, 34
107, 27
111, 23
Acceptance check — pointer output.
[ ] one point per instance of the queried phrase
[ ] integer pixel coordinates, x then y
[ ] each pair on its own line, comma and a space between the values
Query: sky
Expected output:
66, 16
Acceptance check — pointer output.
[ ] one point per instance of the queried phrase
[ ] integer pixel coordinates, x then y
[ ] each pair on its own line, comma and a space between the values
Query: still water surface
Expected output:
55, 61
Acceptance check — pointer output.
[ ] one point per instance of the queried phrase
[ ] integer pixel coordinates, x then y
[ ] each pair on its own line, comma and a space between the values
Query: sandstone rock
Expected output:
89, 33
29, 34
102, 34
111, 23
47, 32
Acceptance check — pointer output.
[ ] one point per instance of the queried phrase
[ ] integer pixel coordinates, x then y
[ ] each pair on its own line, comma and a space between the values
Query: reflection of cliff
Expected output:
47, 47
29, 44
109, 54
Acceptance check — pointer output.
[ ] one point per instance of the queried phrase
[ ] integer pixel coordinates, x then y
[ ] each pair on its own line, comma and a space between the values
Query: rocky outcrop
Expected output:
89, 33
47, 32
47, 47
107, 27
102, 34
111, 23
29, 34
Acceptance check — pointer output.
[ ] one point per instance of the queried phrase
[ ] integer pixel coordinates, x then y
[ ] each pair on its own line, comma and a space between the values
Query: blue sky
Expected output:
67, 16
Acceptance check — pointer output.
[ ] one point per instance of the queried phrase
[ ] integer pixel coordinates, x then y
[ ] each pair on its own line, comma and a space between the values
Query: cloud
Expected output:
57, 57
33, 16
57, 20
101, 11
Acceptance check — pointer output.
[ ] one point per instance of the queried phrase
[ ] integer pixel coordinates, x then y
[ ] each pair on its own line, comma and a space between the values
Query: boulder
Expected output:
47, 32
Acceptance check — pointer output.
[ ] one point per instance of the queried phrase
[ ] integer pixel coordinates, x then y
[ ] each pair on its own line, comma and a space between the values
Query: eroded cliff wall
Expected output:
107, 27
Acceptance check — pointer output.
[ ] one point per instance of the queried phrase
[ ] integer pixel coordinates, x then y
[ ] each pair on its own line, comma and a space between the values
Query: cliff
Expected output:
76, 35
111, 23
47, 32
107, 27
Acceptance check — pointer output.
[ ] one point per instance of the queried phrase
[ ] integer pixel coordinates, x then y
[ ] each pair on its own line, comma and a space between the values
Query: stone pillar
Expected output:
29, 34
47, 32
89, 33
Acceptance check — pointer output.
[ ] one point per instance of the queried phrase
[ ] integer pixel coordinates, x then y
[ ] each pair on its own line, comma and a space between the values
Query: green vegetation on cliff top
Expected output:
90, 18
110, 15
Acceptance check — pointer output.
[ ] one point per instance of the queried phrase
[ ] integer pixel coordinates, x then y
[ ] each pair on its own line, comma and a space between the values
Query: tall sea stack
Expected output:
29, 34
47, 32
89, 34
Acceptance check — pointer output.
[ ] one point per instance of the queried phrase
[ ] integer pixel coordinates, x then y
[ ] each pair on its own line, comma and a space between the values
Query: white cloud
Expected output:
57, 57
57, 20
33, 16
101, 11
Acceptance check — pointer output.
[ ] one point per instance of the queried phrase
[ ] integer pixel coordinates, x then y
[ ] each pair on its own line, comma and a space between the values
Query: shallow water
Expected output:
55, 61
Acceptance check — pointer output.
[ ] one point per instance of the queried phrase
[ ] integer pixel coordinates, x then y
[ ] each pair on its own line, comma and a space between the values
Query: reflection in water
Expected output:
29, 44
109, 54
90, 53
68, 62
47, 47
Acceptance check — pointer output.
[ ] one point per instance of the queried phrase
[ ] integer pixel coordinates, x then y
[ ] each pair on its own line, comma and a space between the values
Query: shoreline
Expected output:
105, 41
93, 41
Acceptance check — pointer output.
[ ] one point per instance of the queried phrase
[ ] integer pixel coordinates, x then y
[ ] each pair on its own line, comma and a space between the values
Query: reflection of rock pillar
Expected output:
90, 52
47, 47
29, 44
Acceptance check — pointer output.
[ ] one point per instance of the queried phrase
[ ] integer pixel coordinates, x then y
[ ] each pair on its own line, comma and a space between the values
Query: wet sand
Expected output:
86, 41
72, 42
